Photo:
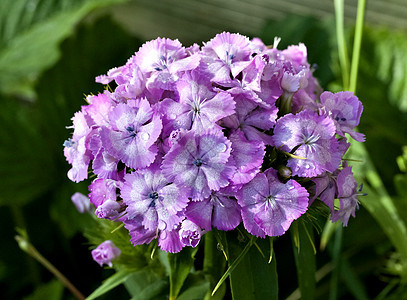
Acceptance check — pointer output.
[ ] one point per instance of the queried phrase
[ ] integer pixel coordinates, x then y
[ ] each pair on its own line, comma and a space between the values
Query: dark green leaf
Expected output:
304, 258
181, 264
51, 290
146, 285
214, 265
26, 53
110, 283
253, 277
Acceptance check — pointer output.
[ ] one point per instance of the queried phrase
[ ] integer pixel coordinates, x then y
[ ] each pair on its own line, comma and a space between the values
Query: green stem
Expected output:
18, 218
333, 294
357, 45
26, 246
340, 36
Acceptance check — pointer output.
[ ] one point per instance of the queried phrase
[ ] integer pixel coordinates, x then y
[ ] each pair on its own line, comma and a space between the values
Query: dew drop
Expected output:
173, 116
307, 167
144, 136
222, 147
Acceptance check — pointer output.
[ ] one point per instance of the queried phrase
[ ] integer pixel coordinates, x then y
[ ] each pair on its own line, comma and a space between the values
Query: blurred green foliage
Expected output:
50, 52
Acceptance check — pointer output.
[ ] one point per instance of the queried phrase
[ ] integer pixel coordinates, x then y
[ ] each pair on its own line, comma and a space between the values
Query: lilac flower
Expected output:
102, 190
220, 210
105, 165
252, 119
227, 54
109, 209
270, 206
134, 130
147, 193
169, 241
189, 233
82, 203
347, 194
99, 108
313, 138
248, 157
345, 109
105, 253
325, 188
75, 148
199, 163
161, 60
199, 107
248, 82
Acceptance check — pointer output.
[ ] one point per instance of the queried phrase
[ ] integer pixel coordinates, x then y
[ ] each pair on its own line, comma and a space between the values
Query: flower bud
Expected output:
105, 253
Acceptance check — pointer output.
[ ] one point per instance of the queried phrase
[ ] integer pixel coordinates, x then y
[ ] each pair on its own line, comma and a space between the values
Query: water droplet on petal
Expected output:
307, 167
173, 116
144, 136
222, 147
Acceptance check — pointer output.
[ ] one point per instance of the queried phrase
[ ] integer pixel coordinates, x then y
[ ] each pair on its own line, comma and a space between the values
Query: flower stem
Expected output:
340, 36
27, 247
357, 42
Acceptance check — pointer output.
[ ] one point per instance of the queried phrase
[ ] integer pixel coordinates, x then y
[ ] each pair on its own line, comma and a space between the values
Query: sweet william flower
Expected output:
81, 202
199, 106
199, 163
152, 199
190, 233
311, 137
270, 206
345, 110
219, 210
105, 253
134, 130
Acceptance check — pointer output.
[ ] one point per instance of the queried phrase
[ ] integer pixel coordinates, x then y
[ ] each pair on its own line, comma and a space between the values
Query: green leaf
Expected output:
146, 285
214, 265
380, 204
110, 283
181, 264
51, 290
197, 287
253, 277
304, 258
29, 50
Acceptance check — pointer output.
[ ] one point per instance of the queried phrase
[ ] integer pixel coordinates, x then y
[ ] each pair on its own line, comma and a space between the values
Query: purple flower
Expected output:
150, 196
248, 157
199, 163
102, 190
109, 209
161, 60
325, 188
345, 109
82, 203
227, 54
75, 149
199, 107
105, 253
220, 210
252, 119
169, 241
347, 194
313, 138
270, 206
134, 129
189, 233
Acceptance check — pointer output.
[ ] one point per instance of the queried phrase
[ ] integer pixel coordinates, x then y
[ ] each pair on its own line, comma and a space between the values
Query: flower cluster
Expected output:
194, 138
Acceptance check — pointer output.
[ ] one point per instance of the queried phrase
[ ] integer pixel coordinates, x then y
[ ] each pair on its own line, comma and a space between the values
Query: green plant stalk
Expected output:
340, 36
27, 247
357, 42
336, 253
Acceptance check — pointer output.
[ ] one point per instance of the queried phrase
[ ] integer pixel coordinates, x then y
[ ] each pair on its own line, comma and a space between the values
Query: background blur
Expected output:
50, 53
